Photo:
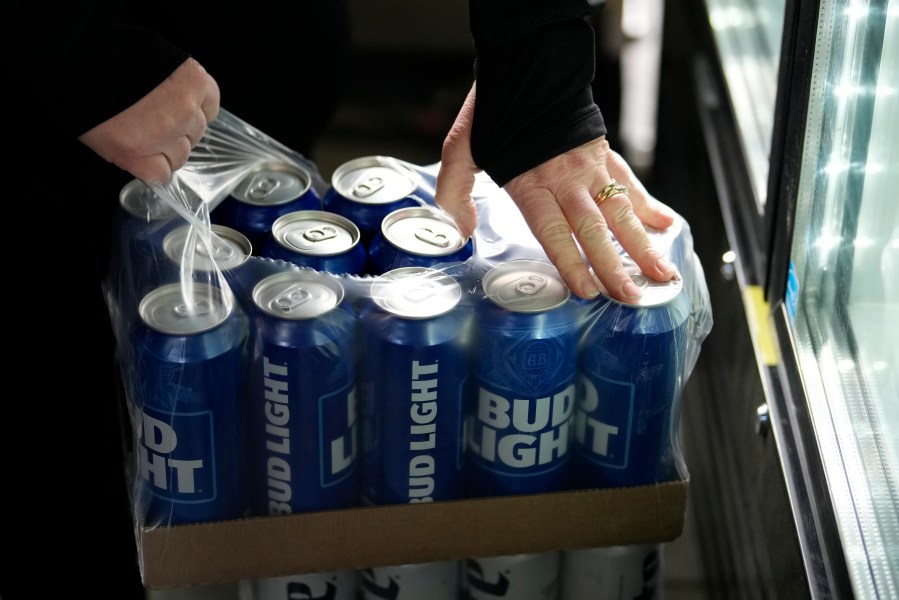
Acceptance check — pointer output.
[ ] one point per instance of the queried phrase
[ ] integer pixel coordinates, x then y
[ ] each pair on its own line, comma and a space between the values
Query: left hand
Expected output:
556, 200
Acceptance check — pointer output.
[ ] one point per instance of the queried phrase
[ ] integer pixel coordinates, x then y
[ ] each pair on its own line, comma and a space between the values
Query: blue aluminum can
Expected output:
268, 191
142, 221
415, 377
631, 378
319, 240
525, 366
209, 258
187, 408
367, 189
419, 236
302, 395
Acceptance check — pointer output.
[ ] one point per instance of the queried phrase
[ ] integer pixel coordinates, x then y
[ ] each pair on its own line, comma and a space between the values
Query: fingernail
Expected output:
664, 266
632, 291
591, 290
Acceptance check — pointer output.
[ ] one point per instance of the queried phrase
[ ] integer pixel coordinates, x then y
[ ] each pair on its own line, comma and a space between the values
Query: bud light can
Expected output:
525, 366
367, 189
333, 585
420, 236
614, 572
431, 581
218, 253
188, 410
143, 219
319, 240
631, 377
302, 395
514, 577
269, 190
415, 377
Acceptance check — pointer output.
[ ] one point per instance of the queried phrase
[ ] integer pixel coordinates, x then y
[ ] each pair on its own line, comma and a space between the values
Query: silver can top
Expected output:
655, 293
227, 249
416, 292
298, 295
140, 201
188, 309
525, 286
373, 180
423, 231
315, 232
272, 184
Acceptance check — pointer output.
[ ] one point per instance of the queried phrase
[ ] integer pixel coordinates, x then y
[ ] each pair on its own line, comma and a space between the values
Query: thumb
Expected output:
456, 176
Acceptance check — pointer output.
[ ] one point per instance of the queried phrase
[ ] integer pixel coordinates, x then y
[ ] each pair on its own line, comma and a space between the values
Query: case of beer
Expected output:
287, 421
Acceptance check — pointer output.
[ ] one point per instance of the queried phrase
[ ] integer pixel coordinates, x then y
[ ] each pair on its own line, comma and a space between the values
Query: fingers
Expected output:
154, 137
559, 202
556, 219
648, 209
628, 229
456, 177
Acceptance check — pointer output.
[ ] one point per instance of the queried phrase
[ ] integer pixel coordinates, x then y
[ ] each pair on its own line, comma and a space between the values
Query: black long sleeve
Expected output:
80, 64
535, 65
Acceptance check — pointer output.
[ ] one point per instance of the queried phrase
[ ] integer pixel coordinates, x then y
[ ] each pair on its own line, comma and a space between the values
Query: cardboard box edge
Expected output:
361, 537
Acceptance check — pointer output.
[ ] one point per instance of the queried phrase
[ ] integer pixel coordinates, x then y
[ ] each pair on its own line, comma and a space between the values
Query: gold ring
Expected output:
610, 190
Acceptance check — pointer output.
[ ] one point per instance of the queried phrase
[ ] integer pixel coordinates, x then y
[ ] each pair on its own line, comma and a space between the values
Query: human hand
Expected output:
153, 138
556, 200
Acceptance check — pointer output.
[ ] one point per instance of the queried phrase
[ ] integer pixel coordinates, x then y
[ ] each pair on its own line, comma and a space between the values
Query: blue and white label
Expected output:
603, 422
339, 435
521, 435
176, 454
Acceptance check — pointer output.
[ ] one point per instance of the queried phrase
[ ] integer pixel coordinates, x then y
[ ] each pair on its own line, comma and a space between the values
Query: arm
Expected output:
127, 93
530, 122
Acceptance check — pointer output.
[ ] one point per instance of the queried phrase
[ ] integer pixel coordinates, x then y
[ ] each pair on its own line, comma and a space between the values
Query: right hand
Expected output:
556, 200
153, 138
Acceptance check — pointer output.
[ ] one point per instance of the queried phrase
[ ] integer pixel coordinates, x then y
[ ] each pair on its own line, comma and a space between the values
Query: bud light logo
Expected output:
495, 586
603, 421
514, 435
387, 590
534, 364
300, 591
175, 453
337, 422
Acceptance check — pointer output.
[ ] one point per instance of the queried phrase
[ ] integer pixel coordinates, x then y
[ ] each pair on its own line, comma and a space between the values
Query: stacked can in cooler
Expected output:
367, 189
417, 237
266, 192
187, 405
414, 381
534, 576
631, 369
525, 374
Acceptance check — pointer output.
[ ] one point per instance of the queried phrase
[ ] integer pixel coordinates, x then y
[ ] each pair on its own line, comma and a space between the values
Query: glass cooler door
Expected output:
840, 314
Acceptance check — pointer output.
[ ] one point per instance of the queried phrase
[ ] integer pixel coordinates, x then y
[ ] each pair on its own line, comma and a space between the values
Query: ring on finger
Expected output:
609, 191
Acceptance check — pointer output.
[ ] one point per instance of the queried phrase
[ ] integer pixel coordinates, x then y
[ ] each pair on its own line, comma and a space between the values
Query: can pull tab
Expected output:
291, 298
530, 285
262, 186
421, 291
434, 238
198, 308
368, 187
320, 234
220, 251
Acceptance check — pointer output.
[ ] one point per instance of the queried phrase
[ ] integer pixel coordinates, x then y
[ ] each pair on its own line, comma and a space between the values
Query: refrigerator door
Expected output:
748, 39
842, 292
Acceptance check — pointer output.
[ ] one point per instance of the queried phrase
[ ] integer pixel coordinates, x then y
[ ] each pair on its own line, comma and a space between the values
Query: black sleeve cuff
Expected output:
534, 99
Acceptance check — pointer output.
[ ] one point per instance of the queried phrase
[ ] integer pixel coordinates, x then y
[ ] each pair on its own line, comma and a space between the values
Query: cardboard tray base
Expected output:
229, 551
